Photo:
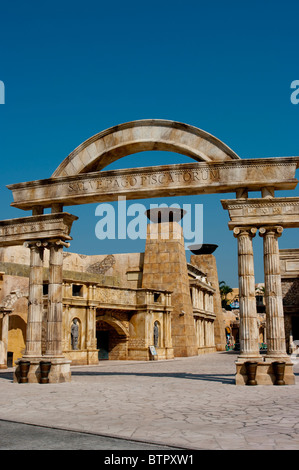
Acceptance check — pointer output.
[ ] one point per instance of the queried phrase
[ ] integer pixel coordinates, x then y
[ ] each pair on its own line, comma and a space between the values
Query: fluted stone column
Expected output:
4, 336
55, 307
65, 326
276, 345
35, 301
249, 340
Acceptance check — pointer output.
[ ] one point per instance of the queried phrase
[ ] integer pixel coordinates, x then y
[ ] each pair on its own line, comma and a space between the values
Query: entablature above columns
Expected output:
44, 228
165, 180
263, 212
202, 286
201, 314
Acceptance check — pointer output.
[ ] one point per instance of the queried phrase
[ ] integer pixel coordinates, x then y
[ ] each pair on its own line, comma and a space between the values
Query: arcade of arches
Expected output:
80, 309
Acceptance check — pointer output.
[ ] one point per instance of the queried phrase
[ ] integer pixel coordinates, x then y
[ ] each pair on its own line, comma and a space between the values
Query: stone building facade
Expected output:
120, 305
160, 312
289, 268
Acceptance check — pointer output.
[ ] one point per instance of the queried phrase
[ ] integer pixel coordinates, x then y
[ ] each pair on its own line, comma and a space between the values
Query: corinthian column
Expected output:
249, 345
35, 300
273, 295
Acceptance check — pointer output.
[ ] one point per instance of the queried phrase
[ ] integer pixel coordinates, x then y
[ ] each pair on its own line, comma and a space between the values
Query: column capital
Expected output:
36, 244
275, 229
5, 310
250, 231
57, 243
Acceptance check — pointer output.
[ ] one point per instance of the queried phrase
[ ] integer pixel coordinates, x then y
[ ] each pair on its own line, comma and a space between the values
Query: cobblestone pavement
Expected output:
190, 403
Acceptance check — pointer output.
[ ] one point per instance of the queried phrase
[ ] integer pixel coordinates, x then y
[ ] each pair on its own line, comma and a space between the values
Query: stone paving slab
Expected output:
19, 436
190, 403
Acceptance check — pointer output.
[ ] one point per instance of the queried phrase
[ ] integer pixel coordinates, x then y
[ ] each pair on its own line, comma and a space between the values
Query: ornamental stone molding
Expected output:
36, 228
259, 212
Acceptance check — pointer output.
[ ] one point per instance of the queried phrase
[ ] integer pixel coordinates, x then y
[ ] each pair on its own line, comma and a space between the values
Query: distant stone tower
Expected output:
207, 263
165, 267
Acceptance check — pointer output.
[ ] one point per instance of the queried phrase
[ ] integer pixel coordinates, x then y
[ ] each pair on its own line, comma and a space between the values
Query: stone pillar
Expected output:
35, 301
201, 300
205, 333
55, 307
60, 366
65, 327
4, 336
276, 345
249, 338
213, 333
194, 298
91, 327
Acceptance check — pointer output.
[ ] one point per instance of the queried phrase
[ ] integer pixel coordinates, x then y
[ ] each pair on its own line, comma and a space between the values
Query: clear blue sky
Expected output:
72, 69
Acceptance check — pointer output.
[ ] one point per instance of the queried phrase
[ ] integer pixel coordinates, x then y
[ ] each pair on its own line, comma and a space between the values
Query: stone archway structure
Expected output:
80, 179
116, 324
6, 309
118, 336
138, 136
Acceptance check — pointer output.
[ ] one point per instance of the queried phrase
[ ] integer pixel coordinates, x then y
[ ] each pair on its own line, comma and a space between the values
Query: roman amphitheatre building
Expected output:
66, 308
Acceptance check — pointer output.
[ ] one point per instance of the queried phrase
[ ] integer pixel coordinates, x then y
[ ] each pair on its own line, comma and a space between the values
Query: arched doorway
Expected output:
112, 338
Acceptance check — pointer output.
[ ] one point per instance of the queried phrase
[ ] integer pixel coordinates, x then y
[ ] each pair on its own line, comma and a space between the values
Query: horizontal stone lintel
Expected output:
43, 227
259, 212
166, 180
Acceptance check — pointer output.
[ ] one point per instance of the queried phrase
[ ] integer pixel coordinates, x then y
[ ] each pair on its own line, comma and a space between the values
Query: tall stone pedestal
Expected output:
60, 370
265, 374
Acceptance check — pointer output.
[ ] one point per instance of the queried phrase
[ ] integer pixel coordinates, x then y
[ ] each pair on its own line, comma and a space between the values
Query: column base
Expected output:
265, 371
60, 369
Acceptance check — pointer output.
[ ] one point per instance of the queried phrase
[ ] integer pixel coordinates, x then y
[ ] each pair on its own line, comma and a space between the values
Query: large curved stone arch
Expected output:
137, 136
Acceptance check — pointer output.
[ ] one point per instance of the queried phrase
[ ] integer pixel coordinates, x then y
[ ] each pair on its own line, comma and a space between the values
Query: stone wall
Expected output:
290, 292
289, 267
207, 264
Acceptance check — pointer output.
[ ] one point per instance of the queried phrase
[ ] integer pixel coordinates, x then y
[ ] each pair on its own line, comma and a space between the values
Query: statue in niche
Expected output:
75, 334
156, 334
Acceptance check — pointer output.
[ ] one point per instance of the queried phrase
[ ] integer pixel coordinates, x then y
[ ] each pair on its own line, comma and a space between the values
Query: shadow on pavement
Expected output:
224, 378
7, 375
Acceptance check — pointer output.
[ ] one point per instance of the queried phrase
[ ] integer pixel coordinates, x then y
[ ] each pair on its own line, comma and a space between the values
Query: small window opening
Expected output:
77, 290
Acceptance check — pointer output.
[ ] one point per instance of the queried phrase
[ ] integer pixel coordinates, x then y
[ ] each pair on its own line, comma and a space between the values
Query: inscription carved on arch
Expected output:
167, 180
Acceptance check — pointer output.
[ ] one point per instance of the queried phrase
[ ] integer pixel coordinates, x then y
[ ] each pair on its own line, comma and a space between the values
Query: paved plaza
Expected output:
187, 403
